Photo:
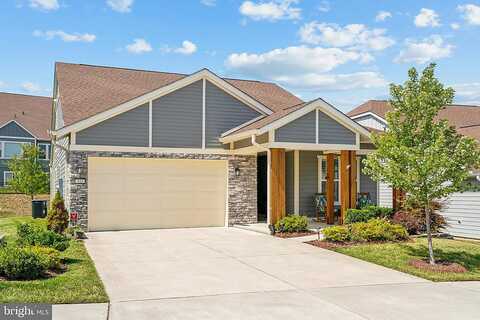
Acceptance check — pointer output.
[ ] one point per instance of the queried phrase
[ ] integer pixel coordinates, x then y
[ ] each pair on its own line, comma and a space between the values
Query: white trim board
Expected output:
141, 100
369, 113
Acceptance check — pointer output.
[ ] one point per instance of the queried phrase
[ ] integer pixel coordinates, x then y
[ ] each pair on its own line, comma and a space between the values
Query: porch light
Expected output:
237, 171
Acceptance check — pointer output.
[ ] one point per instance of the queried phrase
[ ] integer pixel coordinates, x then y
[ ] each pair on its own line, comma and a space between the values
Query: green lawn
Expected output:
398, 255
79, 284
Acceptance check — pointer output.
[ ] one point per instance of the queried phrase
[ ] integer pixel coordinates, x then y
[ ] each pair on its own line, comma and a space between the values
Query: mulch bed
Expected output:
439, 266
294, 234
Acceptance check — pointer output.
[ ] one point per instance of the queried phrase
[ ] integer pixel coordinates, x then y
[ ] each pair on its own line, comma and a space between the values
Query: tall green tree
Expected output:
29, 176
420, 153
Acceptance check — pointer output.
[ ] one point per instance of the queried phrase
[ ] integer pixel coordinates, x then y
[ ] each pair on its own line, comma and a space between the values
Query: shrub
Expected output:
358, 215
30, 234
293, 223
57, 217
412, 217
377, 230
21, 263
49, 257
367, 213
337, 234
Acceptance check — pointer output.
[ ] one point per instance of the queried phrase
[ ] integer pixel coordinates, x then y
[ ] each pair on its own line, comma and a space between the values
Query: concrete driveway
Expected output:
228, 273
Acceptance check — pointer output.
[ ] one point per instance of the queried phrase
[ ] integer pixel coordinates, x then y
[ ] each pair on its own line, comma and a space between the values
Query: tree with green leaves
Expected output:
420, 153
29, 176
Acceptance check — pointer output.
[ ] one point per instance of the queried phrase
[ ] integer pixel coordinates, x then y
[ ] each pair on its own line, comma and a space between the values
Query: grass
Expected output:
397, 256
79, 284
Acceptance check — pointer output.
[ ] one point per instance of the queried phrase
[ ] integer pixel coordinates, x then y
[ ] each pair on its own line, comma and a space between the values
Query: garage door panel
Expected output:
156, 193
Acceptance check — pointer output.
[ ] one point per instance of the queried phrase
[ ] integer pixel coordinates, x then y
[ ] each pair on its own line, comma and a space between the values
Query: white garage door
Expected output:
155, 193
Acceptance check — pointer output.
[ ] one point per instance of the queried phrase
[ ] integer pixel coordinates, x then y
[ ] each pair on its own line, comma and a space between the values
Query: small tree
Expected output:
29, 176
57, 218
420, 153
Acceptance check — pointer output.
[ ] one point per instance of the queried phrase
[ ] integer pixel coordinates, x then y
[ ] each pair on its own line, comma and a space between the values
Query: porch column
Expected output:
329, 214
277, 184
348, 182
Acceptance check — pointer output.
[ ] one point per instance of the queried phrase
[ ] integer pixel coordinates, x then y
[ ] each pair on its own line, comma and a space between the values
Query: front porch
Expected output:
294, 178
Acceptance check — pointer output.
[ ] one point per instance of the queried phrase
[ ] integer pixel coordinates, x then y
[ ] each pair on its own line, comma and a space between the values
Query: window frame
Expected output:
5, 177
9, 141
47, 151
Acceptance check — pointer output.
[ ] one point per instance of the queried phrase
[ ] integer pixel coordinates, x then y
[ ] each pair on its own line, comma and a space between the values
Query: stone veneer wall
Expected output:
242, 190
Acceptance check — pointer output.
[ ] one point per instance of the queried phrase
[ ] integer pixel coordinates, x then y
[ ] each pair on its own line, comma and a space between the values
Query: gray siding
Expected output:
14, 130
330, 131
367, 184
177, 118
223, 112
308, 177
462, 212
299, 130
126, 129
289, 182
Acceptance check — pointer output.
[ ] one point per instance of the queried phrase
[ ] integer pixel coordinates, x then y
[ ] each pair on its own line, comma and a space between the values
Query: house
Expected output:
23, 119
462, 209
140, 149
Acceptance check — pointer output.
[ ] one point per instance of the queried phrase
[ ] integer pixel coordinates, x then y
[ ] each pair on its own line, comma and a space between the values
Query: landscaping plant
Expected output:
35, 235
292, 223
412, 217
57, 217
419, 153
21, 263
373, 230
366, 213
29, 176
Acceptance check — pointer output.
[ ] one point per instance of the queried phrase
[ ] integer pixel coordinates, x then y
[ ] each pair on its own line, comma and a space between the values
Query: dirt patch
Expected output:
18, 204
294, 234
439, 266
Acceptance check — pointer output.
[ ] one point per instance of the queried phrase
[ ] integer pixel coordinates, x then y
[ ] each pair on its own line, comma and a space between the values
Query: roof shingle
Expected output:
32, 112
86, 90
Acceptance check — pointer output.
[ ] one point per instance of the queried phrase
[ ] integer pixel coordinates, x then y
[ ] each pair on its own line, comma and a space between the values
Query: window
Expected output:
7, 176
44, 151
11, 149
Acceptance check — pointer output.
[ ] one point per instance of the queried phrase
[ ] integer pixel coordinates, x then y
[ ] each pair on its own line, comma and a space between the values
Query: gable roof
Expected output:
33, 113
466, 118
87, 90
282, 117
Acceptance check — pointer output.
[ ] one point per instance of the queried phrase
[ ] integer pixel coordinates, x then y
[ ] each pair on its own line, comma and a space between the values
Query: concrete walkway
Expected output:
220, 273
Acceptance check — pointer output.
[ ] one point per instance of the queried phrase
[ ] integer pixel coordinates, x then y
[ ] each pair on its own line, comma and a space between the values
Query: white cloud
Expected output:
324, 6
382, 16
427, 18
349, 81
187, 48
467, 92
292, 60
454, 26
272, 10
353, 35
471, 13
44, 4
429, 49
67, 37
31, 87
120, 5
139, 46
209, 3
2, 84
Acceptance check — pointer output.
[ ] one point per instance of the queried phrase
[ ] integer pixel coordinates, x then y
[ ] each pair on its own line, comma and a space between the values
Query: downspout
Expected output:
256, 144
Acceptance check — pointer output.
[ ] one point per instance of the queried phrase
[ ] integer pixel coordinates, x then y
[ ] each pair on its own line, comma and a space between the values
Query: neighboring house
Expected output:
462, 209
23, 119
143, 149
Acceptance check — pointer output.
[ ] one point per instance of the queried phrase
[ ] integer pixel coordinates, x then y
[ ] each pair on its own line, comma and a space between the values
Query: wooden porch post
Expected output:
398, 198
277, 184
329, 214
348, 182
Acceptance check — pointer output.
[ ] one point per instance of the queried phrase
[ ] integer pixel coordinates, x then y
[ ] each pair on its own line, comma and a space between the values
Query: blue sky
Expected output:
344, 51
